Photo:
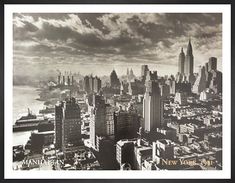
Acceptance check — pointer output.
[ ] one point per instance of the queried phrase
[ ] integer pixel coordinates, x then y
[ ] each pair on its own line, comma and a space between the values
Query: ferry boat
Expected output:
28, 122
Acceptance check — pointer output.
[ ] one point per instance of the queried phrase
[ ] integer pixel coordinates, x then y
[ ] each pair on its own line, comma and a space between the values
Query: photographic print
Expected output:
97, 91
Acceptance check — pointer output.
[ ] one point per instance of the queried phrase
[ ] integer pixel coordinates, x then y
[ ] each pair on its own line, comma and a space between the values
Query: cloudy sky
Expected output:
97, 43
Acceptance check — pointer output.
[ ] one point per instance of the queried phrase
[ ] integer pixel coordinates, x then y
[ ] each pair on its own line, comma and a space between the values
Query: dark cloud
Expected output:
121, 38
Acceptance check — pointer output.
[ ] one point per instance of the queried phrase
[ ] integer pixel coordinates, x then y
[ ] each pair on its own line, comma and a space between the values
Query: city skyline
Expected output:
133, 118
77, 42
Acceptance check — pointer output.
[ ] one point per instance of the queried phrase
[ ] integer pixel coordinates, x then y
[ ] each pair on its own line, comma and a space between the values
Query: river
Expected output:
24, 97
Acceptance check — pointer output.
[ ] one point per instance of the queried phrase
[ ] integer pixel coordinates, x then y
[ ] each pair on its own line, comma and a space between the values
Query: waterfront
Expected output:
24, 97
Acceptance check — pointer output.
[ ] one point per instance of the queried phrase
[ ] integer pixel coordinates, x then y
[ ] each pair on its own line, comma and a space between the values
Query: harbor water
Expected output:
24, 97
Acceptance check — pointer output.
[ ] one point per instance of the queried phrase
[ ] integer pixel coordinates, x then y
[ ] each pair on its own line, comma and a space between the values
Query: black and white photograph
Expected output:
96, 91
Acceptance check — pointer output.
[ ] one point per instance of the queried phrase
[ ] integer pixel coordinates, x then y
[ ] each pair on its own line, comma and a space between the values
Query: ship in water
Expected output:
28, 122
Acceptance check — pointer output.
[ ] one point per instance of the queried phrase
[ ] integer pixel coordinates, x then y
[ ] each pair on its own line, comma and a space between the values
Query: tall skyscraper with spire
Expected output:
188, 66
181, 62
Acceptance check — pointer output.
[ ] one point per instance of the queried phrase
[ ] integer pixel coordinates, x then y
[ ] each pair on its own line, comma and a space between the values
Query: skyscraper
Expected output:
102, 120
181, 62
59, 116
151, 76
212, 64
97, 123
92, 84
114, 79
97, 84
152, 106
144, 69
67, 124
188, 67
86, 84
200, 83
216, 81
126, 124
109, 115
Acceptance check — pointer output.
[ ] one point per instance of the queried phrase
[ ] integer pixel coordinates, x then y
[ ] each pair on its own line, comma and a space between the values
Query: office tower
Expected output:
109, 117
126, 124
212, 64
144, 69
188, 68
92, 84
200, 83
59, 116
97, 84
67, 124
86, 84
181, 62
114, 79
216, 81
98, 119
151, 106
208, 75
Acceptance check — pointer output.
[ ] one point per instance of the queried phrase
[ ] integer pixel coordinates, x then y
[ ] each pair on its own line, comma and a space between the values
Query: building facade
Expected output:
212, 64
97, 122
181, 62
200, 83
144, 70
92, 84
126, 124
67, 124
151, 106
114, 81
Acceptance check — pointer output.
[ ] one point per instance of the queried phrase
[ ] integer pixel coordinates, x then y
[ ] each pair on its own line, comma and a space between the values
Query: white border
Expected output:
179, 174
